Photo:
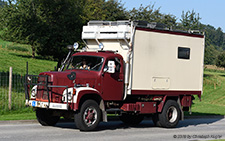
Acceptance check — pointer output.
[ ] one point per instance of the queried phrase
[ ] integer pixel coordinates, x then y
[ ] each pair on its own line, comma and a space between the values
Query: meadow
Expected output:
213, 97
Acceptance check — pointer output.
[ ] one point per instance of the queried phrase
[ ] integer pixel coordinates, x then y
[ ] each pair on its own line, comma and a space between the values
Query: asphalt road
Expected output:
189, 129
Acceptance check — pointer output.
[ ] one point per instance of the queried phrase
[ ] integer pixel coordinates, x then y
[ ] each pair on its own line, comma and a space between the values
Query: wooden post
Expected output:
10, 88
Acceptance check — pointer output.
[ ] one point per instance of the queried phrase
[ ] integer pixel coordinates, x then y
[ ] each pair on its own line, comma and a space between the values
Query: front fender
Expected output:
83, 91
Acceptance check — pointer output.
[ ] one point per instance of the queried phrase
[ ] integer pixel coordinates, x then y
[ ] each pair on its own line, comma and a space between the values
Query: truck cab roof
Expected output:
104, 54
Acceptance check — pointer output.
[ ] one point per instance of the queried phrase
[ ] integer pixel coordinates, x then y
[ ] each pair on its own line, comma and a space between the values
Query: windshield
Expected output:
86, 62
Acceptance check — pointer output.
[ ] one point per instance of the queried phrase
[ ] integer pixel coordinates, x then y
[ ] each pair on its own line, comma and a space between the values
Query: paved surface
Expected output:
189, 129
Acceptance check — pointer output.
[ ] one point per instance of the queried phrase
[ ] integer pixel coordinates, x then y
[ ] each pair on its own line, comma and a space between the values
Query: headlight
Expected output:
69, 96
71, 92
34, 92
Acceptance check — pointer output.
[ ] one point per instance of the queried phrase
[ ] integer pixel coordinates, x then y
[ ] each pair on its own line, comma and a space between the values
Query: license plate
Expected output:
34, 103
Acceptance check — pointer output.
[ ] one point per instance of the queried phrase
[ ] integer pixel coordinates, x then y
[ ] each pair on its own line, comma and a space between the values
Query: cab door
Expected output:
113, 83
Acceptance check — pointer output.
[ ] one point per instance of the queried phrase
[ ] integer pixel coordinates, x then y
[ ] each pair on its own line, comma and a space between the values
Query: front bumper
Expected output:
51, 105
45, 82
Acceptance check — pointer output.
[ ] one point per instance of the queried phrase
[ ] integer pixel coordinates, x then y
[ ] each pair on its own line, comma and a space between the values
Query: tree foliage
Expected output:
61, 26
190, 20
220, 61
48, 26
114, 10
152, 14
148, 13
103, 10
92, 10
2, 3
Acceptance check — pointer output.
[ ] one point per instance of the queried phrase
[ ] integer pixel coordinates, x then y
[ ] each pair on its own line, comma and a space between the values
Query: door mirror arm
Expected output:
105, 70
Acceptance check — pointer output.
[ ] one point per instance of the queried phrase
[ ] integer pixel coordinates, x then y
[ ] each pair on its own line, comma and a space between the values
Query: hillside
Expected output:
16, 56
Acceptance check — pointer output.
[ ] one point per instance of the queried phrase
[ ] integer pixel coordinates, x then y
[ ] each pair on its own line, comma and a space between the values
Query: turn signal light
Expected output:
74, 91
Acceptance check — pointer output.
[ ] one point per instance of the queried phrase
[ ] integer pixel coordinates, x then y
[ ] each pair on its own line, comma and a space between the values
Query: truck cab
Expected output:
101, 71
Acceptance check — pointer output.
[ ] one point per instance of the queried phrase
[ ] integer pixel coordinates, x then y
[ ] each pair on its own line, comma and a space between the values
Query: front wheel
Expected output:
170, 115
89, 116
45, 117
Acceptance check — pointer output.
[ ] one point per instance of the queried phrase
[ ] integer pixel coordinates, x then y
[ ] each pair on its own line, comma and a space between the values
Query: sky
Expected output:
212, 12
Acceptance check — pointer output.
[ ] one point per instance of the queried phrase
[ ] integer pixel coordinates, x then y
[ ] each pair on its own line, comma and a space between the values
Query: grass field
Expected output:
25, 113
13, 56
213, 98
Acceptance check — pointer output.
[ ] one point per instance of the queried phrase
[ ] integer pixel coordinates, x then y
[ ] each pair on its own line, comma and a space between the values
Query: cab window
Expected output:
86, 63
117, 64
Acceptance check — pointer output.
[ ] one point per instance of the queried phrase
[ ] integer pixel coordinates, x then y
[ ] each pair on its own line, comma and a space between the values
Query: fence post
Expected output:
10, 88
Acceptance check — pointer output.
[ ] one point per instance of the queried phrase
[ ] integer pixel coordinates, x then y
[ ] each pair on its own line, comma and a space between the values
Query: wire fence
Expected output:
17, 93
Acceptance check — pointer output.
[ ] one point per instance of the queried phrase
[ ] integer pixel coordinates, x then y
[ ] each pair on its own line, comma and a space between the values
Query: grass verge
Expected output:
22, 114
213, 97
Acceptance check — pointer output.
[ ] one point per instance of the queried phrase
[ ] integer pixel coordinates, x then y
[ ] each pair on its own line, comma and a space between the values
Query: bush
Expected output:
220, 61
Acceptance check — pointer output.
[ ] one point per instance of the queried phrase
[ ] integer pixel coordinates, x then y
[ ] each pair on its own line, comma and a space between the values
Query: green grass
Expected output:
213, 98
18, 48
16, 55
26, 113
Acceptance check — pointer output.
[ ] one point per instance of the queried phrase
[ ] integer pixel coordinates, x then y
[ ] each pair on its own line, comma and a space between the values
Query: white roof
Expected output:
107, 30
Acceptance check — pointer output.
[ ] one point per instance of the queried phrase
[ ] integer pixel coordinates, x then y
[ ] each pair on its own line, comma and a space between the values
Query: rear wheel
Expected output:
89, 116
45, 117
170, 115
131, 119
155, 119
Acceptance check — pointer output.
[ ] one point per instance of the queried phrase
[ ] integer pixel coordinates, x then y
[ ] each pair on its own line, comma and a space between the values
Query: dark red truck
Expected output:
131, 69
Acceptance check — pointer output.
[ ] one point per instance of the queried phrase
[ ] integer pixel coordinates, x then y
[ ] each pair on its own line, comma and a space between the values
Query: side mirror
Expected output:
75, 45
111, 67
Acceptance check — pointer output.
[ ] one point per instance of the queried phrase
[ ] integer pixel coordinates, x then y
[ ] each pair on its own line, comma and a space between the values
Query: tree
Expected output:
92, 10
62, 26
211, 54
2, 3
114, 10
190, 20
220, 61
219, 38
111, 10
169, 20
48, 26
150, 14
20, 22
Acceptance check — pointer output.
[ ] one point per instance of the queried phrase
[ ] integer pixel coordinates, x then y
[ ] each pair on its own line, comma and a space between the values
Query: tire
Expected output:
45, 117
130, 119
155, 119
170, 116
89, 116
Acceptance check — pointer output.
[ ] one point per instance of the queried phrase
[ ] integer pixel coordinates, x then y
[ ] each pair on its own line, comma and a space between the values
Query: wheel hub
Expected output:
90, 116
172, 114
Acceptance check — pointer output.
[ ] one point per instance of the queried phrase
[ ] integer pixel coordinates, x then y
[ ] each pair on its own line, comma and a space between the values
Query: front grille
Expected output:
42, 89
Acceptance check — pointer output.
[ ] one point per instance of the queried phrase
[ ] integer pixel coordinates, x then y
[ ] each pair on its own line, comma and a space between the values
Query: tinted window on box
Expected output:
183, 53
